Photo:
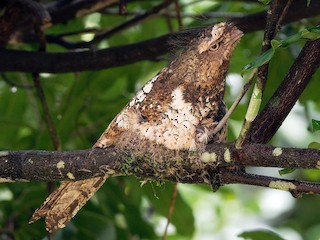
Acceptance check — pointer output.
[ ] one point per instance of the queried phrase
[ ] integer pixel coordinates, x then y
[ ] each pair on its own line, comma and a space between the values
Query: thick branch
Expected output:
118, 56
25, 61
188, 167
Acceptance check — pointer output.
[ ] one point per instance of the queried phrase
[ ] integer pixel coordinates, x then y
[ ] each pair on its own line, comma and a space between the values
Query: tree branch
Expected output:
26, 61
63, 11
183, 166
206, 15
294, 187
273, 15
111, 32
298, 11
54, 12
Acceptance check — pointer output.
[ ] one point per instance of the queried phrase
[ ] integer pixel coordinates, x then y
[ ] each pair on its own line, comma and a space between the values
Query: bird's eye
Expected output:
214, 47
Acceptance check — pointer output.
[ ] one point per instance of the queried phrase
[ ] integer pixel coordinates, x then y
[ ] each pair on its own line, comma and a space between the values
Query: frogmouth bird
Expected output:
178, 109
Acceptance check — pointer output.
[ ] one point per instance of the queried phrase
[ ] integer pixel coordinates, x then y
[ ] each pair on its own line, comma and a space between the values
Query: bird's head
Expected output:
218, 42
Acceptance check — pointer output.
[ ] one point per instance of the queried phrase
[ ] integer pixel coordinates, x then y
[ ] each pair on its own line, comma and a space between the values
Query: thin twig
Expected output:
67, 34
48, 118
40, 17
111, 32
132, 22
178, 12
252, 112
205, 15
171, 209
283, 15
275, 16
39, 89
13, 84
236, 102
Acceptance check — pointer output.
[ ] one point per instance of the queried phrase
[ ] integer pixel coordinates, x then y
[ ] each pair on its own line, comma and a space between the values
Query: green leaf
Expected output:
263, 59
311, 33
286, 171
262, 234
315, 125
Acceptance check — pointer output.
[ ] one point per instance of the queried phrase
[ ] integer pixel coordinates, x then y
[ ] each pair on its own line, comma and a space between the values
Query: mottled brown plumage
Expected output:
179, 108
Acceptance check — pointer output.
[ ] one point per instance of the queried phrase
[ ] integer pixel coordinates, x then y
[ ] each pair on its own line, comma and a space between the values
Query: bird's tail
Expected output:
61, 205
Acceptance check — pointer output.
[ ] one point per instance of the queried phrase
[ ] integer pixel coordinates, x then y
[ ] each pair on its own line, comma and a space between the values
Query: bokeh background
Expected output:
83, 103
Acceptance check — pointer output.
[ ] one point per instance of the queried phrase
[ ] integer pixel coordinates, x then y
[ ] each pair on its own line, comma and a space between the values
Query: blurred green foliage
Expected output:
260, 234
82, 105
